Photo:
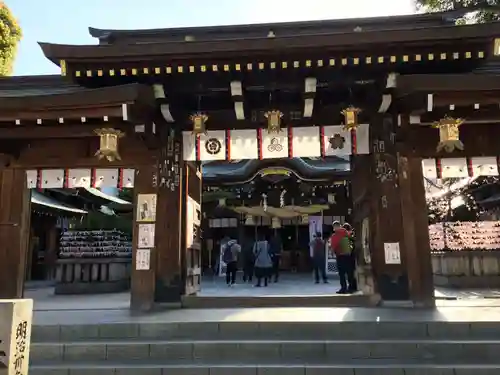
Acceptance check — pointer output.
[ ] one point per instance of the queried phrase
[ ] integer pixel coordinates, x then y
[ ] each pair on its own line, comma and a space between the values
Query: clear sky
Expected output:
66, 22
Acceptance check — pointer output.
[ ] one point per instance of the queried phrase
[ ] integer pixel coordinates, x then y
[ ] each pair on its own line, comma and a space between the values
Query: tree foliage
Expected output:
482, 10
10, 35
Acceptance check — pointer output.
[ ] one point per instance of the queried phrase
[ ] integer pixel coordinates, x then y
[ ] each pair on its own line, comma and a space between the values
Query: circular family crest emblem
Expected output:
275, 145
337, 142
213, 146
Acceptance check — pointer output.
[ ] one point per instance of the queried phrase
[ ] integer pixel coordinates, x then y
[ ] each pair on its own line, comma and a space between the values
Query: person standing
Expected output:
318, 258
276, 250
248, 261
230, 257
263, 261
341, 245
354, 255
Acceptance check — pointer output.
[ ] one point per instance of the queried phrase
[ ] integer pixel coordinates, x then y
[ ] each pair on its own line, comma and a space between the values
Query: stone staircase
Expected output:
262, 348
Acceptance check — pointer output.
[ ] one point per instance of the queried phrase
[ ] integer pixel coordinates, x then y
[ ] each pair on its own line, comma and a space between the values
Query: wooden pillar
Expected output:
172, 271
191, 229
14, 231
143, 272
51, 248
171, 180
398, 221
415, 228
362, 220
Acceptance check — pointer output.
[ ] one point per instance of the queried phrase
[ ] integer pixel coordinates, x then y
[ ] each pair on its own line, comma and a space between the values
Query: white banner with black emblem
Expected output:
274, 146
213, 145
336, 141
209, 146
312, 141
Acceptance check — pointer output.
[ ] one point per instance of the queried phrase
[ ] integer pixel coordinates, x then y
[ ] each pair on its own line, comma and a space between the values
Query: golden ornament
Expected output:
108, 143
350, 117
199, 120
449, 133
273, 121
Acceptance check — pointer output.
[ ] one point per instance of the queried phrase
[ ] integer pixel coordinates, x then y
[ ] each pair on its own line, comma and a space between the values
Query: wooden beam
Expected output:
467, 98
432, 83
58, 131
470, 114
75, 113
325, 115
79, 153
478, 139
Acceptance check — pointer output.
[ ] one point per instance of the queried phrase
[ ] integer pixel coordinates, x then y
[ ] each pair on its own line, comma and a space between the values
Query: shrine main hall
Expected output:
395, 99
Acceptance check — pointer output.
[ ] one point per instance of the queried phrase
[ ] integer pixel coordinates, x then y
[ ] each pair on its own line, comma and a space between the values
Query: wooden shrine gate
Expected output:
140, 90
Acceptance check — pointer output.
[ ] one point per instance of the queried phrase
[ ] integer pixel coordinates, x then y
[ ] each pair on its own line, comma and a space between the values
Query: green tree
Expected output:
10, 35
481, 10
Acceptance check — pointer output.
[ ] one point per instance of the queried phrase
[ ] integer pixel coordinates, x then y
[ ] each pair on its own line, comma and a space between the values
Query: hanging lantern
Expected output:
264, 202
304, 219
273, 121
199, 120
449, 134
108, 146
249, 220
275, 223
282, 198
350, 117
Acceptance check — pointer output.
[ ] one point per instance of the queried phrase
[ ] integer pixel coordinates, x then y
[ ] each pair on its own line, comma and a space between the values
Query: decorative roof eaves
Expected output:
429, 19
106, 96
69, 53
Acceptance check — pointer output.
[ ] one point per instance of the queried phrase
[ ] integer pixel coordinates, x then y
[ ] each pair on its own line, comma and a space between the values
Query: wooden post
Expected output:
399, 221
14, 231
51, 249
171, 180
416, 228
143, 277
363, 218
191, 229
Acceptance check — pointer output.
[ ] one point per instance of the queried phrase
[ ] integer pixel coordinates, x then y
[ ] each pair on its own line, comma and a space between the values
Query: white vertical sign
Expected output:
143, 259
392, 253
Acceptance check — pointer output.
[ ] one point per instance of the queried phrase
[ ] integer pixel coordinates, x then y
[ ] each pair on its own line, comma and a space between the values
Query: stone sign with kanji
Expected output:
15, 333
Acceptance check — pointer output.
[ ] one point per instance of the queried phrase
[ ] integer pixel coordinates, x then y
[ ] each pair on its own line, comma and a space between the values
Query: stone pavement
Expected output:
88, 309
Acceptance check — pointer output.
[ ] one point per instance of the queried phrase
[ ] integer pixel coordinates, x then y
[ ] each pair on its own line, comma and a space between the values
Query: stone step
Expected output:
235, 330
363, 368
225, 302
249, 352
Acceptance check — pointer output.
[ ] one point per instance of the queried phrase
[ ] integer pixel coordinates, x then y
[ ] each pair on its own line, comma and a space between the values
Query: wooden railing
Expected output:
88, 276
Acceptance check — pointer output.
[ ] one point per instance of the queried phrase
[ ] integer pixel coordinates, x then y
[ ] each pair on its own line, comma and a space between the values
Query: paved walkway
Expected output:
91, 309
289, 285
450, 314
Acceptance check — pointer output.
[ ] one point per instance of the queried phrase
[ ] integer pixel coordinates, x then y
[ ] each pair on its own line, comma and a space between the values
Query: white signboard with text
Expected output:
392, 253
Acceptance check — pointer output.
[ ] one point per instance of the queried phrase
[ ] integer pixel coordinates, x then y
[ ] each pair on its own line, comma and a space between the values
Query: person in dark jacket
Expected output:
318, 258
263, 261
276, 248
350, 233
248, 259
